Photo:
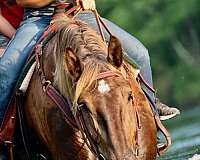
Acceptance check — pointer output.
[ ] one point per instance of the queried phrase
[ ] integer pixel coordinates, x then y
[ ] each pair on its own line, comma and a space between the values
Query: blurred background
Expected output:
170, 30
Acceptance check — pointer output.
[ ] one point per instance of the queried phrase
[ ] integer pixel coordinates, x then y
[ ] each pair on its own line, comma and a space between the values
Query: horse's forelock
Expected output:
78, 36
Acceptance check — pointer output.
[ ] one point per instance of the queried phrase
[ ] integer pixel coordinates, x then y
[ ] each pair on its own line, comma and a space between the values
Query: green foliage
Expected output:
170, 29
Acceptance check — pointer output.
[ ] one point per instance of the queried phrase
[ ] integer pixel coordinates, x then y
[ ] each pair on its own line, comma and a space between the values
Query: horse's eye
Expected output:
85, 107
130, 96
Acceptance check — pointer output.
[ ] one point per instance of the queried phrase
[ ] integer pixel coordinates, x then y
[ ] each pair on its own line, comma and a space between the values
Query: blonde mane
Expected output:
90, 49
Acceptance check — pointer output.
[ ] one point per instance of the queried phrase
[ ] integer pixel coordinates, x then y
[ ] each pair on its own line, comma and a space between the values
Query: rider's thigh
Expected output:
15, 55
21, 44
131, 45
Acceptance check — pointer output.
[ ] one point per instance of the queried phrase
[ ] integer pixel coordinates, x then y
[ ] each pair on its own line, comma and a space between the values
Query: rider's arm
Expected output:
34, 3
87, 4
6, 28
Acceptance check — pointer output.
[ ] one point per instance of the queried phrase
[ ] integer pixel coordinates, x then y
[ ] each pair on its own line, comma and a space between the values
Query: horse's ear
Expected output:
114, 52
72, 64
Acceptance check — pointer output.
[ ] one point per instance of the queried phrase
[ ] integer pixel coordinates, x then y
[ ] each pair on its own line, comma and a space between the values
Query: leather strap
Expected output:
107, 74
163, 149
64, 104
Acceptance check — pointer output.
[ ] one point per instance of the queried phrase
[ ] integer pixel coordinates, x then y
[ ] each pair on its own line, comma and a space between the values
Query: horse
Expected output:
97, 80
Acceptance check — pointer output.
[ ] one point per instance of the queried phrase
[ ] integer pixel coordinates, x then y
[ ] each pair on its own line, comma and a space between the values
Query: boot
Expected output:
3, 154
166, 112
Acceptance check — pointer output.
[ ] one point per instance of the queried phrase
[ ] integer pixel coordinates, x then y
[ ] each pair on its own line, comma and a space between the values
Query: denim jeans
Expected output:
15, 55
133, 47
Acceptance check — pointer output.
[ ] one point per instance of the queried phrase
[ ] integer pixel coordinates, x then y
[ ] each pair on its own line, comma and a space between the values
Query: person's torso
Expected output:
12, 12
44, 11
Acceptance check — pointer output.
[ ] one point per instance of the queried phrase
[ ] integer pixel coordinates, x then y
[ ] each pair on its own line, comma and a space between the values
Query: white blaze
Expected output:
103, 86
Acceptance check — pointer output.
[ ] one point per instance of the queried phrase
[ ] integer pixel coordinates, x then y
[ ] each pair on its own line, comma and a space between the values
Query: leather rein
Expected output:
64, 103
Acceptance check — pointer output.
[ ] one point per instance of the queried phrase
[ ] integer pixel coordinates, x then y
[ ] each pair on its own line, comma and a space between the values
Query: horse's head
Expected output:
107, 101
97, 79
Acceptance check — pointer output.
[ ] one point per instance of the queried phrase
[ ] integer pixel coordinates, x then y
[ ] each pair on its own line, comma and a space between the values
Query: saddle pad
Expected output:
25, 76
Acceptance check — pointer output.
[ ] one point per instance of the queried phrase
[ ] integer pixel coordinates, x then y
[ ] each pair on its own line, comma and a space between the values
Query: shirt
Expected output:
12, 12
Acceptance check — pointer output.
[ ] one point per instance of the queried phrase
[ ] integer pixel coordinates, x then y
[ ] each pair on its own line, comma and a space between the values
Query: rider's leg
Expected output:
135, 49
15, 55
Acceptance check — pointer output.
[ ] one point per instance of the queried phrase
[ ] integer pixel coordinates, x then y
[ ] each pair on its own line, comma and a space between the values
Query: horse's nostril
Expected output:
41, 157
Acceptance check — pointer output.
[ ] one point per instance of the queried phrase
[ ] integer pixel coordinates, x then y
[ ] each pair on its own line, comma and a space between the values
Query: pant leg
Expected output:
15, 55
133, 47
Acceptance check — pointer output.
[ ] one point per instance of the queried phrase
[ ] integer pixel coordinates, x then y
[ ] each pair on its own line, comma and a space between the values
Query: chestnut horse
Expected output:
95, 77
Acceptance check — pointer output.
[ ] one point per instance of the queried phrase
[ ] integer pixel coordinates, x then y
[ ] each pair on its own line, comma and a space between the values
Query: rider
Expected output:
10, 17
37, 16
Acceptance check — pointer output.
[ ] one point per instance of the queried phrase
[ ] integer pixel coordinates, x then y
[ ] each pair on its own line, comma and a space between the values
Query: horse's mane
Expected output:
90, 49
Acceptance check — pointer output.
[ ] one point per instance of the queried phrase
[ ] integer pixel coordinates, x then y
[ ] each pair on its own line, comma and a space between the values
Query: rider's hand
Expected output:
87, 4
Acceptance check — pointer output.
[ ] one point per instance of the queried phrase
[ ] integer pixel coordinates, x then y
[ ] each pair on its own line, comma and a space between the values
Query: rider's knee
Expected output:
139, 53
144, 55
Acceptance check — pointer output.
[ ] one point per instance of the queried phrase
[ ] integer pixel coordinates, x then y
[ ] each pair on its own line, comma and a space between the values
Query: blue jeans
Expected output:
16, 53
133, 47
